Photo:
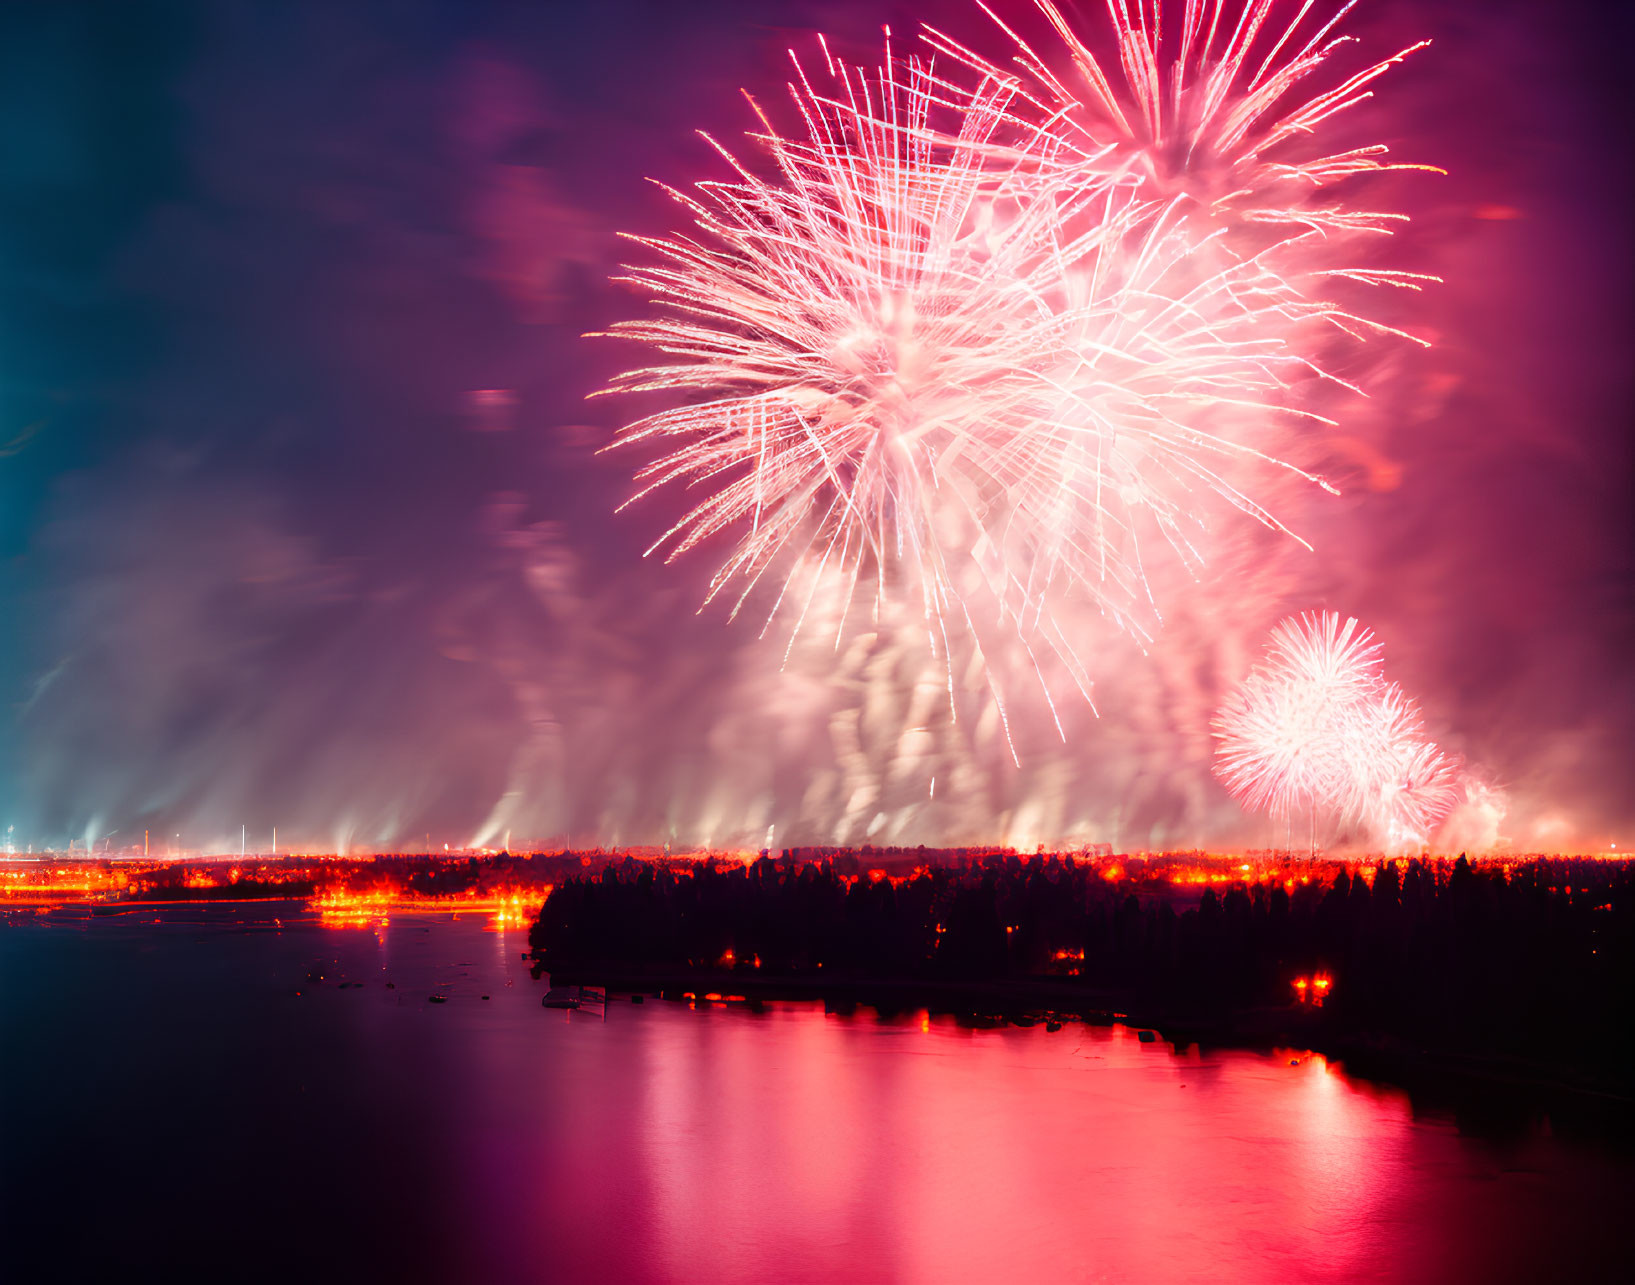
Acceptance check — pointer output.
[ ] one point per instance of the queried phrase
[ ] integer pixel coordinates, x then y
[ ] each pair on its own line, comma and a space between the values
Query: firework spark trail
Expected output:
942, 350
1233, 136
1317, 725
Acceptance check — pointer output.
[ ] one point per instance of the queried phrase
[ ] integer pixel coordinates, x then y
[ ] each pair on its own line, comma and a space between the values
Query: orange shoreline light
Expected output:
507, 908
1313, 990
363, 891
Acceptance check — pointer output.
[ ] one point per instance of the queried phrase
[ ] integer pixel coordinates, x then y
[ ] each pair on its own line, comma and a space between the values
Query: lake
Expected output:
184, 1098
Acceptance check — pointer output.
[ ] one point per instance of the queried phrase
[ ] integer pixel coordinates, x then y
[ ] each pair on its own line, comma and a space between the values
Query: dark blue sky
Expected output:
271, 551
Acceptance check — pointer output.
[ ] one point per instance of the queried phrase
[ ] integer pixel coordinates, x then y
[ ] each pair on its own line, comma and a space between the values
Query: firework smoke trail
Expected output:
1317, 725
912, 358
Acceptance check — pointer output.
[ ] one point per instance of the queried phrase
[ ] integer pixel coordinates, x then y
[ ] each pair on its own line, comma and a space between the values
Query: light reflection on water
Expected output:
365, 1129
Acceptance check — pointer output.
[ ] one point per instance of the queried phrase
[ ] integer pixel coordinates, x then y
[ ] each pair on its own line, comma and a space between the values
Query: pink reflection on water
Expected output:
850, 1150
667, 1144
487, 1139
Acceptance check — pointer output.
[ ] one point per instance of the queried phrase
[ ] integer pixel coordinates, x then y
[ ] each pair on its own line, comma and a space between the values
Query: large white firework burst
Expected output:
857, 332
933, 343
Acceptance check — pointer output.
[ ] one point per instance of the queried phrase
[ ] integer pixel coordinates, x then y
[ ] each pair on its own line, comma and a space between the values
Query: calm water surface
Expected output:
180, 1099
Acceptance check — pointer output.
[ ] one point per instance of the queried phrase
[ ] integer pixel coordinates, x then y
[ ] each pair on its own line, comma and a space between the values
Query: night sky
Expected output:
301, 521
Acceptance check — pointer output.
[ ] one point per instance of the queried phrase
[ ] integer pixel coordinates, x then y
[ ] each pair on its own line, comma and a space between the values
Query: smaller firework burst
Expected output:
1397, 783
1316, 726
1285, 735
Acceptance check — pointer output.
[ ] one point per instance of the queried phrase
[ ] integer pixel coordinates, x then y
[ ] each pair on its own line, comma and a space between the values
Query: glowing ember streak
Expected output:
973, 346
1316, 725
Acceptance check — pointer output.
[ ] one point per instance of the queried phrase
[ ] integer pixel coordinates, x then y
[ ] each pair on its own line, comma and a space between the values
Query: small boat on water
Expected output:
561, 997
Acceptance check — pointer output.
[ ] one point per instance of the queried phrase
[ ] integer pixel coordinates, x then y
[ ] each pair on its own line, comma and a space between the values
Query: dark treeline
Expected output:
1482, 957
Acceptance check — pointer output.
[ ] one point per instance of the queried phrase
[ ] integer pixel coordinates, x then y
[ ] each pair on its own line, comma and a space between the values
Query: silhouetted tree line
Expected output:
1441, 952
